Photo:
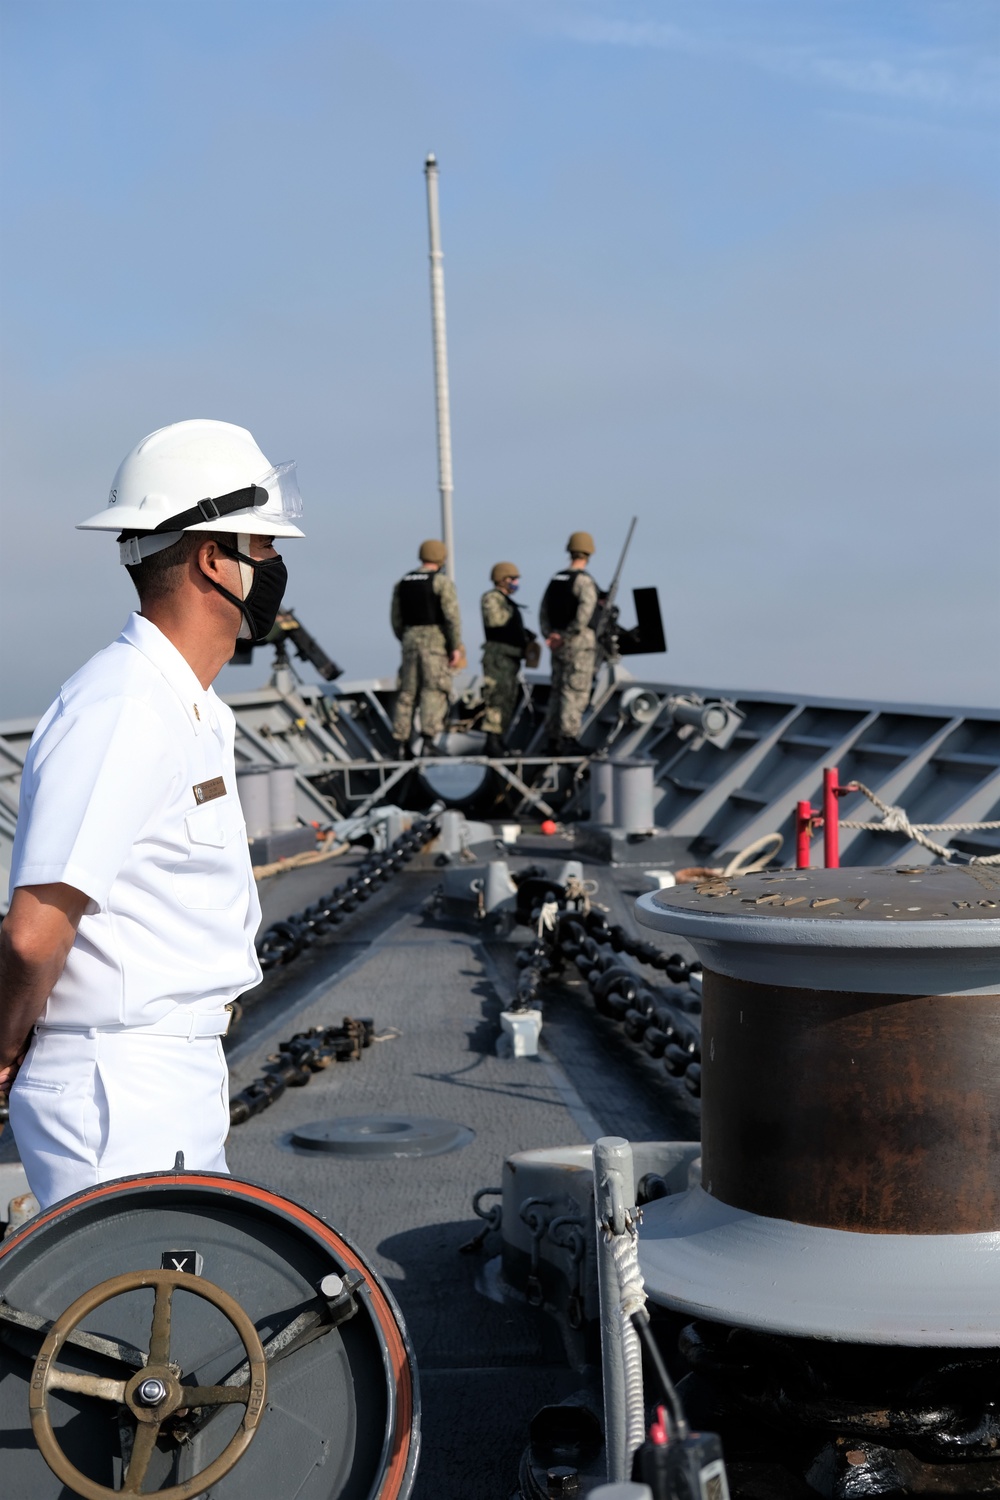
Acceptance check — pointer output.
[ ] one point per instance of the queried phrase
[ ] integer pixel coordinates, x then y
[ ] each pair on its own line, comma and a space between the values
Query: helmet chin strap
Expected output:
246, 572
246, 579
245, 632
262, 584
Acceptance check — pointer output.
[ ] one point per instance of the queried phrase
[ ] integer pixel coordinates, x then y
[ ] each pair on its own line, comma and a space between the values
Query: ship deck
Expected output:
437, 987
434, 988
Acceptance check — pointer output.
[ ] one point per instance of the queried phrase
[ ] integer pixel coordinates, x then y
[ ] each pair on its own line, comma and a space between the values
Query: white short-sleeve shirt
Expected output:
129, 794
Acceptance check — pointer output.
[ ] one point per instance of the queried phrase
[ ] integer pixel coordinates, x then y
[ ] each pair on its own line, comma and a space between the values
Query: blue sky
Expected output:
729, 266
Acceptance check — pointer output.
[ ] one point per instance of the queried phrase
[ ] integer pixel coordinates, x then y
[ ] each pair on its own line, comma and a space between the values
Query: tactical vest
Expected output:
418, 601
560, 603
511, 634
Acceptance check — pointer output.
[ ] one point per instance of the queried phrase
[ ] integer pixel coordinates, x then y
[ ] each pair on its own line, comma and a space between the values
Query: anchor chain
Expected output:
283, 941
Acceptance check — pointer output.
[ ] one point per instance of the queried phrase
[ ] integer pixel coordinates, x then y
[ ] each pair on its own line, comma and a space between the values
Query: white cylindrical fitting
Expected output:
498, 887
452, 826
253, 786
602, 793
395, 825
281, 789
633, 795
707, 718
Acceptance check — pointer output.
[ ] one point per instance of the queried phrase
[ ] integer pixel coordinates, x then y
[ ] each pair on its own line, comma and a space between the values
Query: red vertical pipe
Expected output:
831, 827
803, 834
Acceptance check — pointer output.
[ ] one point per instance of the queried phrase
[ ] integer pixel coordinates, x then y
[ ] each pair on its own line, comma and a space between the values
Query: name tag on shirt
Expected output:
207, 791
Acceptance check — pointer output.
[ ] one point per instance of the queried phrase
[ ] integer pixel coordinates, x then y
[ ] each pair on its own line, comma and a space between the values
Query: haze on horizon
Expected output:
728, 266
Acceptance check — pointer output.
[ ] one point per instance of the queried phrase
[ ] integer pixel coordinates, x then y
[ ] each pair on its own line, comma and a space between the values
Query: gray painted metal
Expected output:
499, 890
281, 789
332, 1424
451, 839
726, 798
895, 770
913, 931
485, 1368
634, 794
381, 1136
709, 1260
253, 786
920, 932
561, 1180
941, 764
934, 761
602, 793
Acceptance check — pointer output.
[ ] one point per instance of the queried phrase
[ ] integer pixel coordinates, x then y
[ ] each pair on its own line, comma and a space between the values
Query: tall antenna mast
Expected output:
440, 363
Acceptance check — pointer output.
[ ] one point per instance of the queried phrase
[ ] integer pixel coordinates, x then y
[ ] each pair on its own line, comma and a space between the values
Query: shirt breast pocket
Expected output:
214, 874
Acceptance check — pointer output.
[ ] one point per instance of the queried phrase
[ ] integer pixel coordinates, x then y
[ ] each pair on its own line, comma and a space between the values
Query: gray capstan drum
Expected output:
850, 1106
180, 1332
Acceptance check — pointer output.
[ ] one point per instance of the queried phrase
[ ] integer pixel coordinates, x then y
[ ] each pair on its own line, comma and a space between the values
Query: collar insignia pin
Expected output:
196, 713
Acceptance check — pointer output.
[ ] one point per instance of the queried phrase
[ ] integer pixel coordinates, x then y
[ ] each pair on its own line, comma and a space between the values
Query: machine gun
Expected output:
647, 635
287, 627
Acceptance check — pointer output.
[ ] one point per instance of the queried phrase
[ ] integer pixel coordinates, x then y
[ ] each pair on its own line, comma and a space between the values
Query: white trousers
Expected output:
89, 1106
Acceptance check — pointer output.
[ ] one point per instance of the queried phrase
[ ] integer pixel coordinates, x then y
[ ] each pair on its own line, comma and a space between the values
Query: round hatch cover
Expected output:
382, 1135
341, 1418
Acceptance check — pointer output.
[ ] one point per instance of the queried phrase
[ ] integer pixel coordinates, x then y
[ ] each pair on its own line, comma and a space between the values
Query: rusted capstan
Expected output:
850, 1083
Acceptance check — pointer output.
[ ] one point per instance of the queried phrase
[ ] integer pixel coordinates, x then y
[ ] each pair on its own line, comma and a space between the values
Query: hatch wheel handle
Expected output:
153, 1394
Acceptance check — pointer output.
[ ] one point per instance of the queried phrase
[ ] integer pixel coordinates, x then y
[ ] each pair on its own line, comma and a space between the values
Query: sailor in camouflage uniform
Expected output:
425, 618
507, 643
566, 616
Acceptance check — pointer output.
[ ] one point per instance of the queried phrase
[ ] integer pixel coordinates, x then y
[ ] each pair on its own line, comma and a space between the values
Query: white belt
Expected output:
179, 1022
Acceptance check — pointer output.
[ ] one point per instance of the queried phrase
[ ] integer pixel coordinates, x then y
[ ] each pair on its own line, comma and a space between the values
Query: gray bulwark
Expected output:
940, 764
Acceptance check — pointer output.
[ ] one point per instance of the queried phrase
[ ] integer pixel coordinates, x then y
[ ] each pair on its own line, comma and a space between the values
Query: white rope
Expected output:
766, 849
895, 820
759, 855
547, 916
631, 1299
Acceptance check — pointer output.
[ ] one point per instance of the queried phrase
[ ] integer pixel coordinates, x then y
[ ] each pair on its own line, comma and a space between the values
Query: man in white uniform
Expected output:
133, 904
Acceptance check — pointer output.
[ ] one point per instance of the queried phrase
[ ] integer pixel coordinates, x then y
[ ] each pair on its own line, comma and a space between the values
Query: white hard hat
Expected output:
197, 476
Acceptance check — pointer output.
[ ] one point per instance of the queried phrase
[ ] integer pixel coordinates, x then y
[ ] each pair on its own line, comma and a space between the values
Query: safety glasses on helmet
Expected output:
283, 503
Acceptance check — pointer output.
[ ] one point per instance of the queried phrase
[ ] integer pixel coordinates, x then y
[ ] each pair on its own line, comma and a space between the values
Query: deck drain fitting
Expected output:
382, 1135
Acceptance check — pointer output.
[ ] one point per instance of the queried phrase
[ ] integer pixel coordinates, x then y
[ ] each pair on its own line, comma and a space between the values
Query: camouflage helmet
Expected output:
581, 541
433, 551
500, 571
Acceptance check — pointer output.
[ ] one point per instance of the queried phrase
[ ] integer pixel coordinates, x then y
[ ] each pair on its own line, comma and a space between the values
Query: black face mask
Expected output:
263, 600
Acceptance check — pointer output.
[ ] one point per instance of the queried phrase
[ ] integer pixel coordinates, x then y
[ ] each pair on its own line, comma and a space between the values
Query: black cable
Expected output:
640, 1322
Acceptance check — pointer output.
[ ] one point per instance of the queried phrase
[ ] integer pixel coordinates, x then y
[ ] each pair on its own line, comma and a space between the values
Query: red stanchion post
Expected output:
803, 834
831, 826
